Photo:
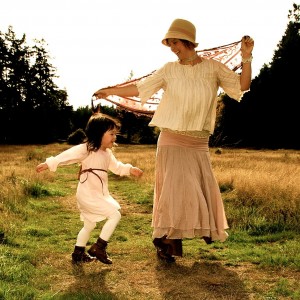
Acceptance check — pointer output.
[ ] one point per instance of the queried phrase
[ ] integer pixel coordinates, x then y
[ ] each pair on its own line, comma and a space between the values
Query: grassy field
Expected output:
39, 222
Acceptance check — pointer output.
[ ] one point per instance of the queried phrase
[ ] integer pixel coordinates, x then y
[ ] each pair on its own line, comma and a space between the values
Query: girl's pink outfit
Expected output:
93, 198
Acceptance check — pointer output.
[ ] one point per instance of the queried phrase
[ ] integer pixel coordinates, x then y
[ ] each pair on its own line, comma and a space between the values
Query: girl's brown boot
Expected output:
98, 250
79, 255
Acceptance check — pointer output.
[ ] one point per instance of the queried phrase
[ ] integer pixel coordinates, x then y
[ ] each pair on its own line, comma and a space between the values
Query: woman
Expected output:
187, 200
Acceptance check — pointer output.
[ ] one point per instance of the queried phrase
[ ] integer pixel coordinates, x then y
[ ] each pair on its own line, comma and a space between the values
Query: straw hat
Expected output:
181, 29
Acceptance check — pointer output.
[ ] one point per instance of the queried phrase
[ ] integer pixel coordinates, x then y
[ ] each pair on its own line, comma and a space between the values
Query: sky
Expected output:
98, 43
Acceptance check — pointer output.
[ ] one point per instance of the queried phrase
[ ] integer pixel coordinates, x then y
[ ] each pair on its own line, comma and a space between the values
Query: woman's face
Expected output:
178, 47
108, 139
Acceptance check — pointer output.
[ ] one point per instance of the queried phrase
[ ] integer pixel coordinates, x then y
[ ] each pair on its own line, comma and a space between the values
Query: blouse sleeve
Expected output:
67, 157
150, 85
118, 167
229, 81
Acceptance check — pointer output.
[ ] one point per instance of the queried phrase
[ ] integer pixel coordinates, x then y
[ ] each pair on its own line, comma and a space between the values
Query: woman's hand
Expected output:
102, 93
125, 91
247, 46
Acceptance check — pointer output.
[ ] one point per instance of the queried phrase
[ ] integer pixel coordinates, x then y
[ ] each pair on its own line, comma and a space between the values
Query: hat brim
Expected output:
176, 35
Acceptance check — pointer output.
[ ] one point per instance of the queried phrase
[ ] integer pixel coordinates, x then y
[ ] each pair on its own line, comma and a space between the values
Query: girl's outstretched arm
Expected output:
136, 172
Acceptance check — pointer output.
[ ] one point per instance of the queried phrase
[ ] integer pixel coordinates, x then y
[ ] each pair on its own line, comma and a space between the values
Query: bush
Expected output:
76, 137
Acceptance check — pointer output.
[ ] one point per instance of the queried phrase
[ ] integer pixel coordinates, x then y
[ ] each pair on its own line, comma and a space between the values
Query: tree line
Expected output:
34, 110
268, 115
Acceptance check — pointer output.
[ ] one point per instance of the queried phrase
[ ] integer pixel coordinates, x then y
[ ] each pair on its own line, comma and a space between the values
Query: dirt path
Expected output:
132, 278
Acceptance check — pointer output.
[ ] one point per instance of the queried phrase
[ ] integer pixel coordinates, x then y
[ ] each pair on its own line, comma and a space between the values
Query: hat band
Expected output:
181, 30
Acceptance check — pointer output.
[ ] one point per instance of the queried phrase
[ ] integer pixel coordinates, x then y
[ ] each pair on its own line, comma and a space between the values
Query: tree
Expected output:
80, 117
32, 109
268, 115
226, 132
135, 128
274, 98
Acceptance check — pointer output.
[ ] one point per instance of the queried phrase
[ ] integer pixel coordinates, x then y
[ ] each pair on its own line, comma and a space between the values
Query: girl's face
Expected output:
108, 139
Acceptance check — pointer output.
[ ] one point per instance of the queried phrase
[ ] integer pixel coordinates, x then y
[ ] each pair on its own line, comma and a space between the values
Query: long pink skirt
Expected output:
187, 199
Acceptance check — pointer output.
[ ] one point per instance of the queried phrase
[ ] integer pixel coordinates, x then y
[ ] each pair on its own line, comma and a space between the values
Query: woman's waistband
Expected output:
168, 138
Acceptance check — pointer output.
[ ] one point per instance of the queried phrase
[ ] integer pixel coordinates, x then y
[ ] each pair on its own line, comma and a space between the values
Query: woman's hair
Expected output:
97, 125
186, 43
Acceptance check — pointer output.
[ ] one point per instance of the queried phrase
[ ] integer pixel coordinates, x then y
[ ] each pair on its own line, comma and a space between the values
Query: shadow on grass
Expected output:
203, 280
88, 286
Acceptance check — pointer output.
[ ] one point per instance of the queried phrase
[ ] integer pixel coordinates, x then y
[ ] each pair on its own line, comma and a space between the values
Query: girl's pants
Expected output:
106, 232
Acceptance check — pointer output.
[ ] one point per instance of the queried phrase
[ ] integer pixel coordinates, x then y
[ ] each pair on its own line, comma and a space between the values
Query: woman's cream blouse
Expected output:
189, 98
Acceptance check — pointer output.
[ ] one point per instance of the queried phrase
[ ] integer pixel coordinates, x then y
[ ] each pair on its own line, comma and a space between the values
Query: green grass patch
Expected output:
40, 224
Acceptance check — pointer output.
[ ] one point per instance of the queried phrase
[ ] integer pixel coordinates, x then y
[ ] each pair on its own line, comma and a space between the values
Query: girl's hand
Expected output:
41, 167
247, 46
136, 172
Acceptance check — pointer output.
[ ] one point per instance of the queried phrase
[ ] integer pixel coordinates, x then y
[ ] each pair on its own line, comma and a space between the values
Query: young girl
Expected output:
93, 199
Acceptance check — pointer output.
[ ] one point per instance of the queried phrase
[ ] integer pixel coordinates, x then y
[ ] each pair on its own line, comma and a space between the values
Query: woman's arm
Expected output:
125, 91
246, 49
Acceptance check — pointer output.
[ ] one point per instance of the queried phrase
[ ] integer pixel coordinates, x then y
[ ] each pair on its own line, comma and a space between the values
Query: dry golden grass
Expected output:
272, 175
269, 179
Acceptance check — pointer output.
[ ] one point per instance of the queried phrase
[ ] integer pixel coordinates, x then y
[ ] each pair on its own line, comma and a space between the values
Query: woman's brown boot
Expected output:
166, 248
79, 255
208, 240
98, 250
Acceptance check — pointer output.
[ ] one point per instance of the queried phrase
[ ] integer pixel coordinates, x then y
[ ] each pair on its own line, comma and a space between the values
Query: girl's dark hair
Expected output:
97, 125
